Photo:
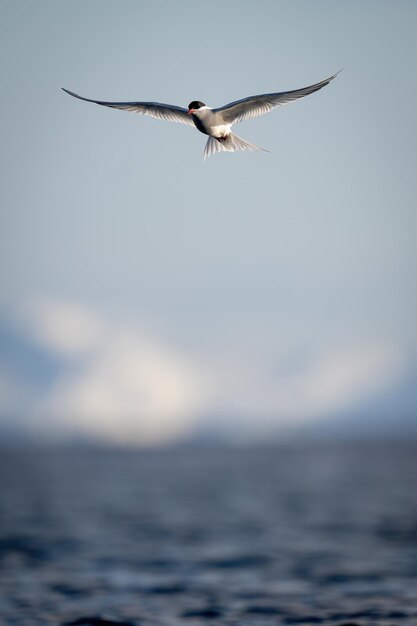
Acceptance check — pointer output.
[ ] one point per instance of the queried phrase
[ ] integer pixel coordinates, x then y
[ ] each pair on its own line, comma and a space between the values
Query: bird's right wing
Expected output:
167, 112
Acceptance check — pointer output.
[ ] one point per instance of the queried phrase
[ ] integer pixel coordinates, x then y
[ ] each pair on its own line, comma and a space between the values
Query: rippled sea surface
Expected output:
319, 534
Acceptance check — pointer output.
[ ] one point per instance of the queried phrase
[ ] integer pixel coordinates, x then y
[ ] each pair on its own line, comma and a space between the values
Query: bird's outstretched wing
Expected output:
167, 112
244, 109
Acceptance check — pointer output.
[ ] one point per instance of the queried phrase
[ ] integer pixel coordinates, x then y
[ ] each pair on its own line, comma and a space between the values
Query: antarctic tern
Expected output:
216, 123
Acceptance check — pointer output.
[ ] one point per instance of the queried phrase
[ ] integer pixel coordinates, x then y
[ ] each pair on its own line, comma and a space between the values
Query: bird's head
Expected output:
194, 106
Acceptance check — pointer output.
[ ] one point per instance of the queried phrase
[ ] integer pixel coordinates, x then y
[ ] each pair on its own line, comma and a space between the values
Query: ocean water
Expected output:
315, 534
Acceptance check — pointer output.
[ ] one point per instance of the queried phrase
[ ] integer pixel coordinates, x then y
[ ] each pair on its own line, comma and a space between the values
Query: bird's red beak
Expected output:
190, 111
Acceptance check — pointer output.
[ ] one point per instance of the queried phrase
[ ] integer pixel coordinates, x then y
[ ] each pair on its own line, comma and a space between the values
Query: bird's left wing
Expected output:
167, 112
253, 106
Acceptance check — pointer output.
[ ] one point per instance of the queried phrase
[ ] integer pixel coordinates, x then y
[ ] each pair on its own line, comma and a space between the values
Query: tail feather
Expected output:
231, 143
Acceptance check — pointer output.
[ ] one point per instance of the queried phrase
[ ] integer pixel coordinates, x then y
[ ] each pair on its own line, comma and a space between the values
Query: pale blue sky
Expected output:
266, 290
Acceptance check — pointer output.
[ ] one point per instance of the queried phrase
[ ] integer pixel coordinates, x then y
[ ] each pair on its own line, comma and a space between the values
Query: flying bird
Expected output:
216, 123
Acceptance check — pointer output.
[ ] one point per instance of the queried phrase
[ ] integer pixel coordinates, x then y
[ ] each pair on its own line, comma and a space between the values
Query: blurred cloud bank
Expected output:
113, 382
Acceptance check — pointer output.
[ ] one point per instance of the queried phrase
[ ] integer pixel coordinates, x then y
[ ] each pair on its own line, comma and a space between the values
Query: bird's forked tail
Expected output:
231, 143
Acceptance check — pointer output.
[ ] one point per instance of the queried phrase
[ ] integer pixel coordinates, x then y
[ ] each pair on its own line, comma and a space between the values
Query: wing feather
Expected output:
247, 108
167, 112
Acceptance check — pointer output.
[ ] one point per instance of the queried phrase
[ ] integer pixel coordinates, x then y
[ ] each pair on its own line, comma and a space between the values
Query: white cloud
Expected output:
122, 385
342, 379
265, 395
132, 390
64, 327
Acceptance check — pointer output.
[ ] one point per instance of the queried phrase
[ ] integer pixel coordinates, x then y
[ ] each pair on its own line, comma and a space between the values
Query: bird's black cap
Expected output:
196, 104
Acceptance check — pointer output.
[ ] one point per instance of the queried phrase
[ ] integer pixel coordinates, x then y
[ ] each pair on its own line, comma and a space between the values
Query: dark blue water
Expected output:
319, 534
